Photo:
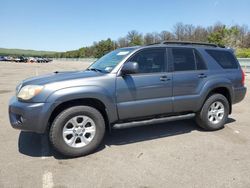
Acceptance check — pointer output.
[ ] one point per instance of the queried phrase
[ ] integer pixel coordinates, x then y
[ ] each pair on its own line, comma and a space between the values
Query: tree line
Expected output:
235, 36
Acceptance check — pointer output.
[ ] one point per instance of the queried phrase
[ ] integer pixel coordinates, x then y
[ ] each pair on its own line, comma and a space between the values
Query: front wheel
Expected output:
214, 113
77, 131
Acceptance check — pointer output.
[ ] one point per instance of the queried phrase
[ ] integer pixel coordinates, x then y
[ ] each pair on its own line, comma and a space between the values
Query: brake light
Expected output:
242, 77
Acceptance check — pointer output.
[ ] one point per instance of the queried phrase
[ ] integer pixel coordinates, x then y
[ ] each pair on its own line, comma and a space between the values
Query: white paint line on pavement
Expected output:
48, 180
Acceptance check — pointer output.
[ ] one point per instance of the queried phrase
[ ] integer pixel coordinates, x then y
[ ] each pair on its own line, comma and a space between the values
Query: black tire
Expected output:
202, 116
56, 137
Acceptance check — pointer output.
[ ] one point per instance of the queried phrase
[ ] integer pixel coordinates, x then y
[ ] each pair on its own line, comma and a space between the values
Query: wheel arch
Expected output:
92, 102
223, 90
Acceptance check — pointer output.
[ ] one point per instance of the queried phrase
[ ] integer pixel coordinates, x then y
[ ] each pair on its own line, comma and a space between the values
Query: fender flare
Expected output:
212, 85
85, 92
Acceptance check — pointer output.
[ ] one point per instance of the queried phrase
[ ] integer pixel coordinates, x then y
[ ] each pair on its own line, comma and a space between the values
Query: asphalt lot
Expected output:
173, 154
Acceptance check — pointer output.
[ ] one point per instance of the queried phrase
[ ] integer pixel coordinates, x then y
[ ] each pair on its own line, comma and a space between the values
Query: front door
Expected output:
148, 92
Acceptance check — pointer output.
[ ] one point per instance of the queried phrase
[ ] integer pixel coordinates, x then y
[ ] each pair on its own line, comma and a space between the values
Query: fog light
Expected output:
19, 119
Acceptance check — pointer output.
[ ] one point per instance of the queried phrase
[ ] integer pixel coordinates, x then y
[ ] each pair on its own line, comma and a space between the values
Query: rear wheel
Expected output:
214, 113
77, 131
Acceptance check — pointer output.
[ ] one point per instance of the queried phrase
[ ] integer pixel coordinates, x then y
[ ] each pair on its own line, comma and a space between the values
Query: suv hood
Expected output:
59, 76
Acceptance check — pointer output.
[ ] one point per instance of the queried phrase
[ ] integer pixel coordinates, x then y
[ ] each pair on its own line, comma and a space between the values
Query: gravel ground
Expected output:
173, 154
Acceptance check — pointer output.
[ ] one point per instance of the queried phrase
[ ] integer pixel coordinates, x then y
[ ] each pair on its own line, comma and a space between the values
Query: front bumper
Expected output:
29, 116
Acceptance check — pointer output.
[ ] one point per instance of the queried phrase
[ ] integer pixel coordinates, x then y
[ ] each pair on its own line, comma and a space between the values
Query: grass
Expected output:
20, 52
243, 53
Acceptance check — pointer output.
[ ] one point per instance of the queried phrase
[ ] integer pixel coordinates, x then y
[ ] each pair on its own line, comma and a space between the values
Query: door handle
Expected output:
164, 78
202, 75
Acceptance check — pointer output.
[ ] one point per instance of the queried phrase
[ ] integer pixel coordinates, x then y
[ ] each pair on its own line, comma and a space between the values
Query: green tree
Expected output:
103, 47
218, 36
134, 38
234, 36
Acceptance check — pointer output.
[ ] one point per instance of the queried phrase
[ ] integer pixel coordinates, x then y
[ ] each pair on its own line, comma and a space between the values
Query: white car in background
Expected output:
32, 60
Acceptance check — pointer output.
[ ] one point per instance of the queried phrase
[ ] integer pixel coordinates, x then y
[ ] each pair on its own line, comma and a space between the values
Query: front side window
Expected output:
150, 60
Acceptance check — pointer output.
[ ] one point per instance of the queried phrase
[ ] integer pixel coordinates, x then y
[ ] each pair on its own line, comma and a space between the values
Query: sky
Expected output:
61, 25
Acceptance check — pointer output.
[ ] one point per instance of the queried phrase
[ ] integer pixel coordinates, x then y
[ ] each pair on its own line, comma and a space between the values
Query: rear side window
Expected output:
224, 58
184, 59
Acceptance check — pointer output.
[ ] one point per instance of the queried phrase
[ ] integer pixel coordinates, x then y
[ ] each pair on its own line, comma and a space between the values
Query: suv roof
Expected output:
184, 44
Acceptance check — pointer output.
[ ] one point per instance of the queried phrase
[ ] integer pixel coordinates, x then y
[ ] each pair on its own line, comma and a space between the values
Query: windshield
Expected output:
109, 61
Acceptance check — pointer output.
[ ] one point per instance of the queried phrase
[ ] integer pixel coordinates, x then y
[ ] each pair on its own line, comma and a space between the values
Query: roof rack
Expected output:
154, 43
192, 43
188, 43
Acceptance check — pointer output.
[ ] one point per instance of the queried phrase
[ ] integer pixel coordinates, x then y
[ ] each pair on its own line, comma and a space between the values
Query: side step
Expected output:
152, 121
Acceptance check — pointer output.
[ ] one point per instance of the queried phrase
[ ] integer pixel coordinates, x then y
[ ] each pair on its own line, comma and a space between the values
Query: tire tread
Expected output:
54, 138
202, 114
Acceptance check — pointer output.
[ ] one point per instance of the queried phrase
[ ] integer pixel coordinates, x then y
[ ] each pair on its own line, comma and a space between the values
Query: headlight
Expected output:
29, 91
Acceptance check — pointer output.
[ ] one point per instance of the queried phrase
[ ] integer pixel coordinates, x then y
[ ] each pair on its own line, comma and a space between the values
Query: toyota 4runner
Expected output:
127, 86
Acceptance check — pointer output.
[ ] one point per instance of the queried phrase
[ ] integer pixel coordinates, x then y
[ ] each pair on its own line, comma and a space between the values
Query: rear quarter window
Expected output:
224, 58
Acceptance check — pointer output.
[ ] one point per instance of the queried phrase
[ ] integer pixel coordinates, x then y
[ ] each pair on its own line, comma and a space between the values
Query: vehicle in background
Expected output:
9, 58
40, 60
32, 60
17, 59
2, 58
24, 59
21, 59
48, 60
43, 60
5, 58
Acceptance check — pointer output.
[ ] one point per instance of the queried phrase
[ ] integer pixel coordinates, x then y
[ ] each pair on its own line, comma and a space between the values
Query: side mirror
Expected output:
130, 68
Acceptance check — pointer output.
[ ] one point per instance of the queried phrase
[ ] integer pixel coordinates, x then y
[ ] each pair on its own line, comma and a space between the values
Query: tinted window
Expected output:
183, 59
199, 61
150, 60
224, 58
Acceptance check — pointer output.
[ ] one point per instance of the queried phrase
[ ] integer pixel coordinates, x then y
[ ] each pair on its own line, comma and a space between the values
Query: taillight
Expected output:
242, 77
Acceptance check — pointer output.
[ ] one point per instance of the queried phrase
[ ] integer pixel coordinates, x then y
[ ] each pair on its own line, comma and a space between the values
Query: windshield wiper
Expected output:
95, 69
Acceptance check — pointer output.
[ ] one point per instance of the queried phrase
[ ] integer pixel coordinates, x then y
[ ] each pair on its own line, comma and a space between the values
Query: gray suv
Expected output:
128, 86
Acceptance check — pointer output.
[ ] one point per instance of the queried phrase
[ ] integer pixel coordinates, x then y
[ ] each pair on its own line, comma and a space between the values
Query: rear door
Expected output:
189, 75
148, 92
